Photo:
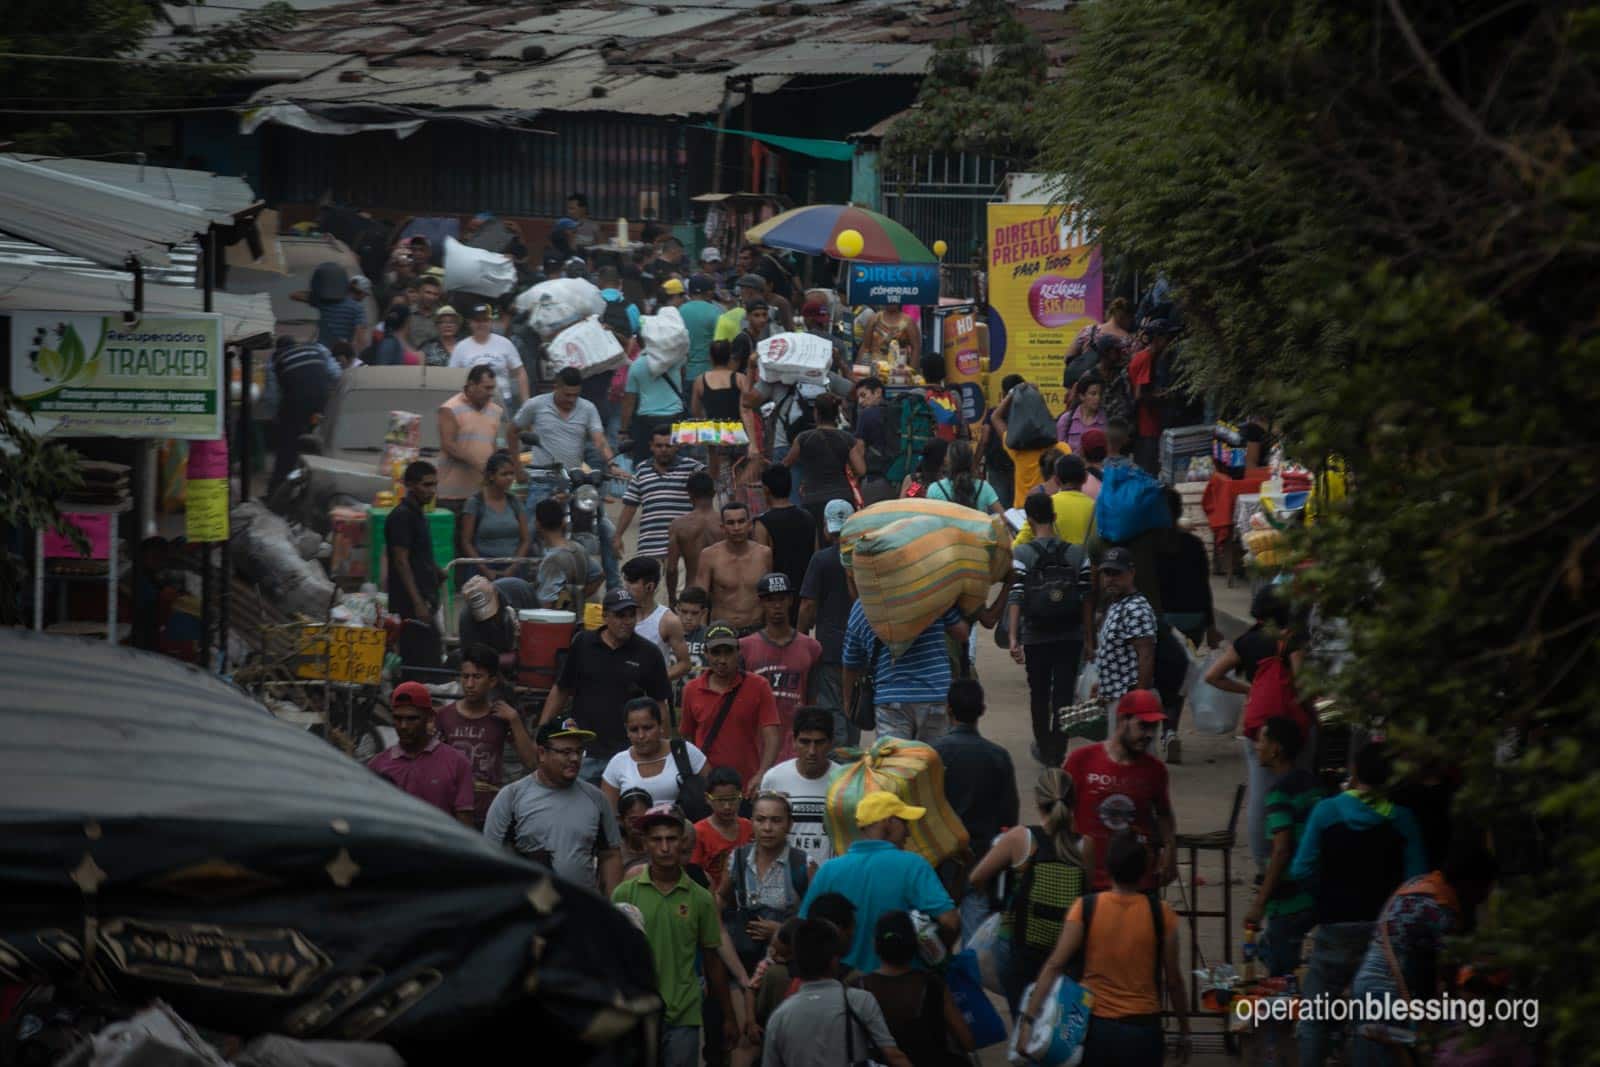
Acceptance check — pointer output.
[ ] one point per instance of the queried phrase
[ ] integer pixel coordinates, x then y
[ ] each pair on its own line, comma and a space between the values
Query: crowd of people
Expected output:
681, 759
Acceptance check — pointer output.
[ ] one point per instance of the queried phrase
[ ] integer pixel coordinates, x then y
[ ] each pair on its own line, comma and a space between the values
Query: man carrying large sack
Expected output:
907, 692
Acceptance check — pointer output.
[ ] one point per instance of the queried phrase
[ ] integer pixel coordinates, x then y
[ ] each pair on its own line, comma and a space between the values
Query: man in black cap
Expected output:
1124, 652
486, 346
554, 818
786, 658
602, 672
700, 313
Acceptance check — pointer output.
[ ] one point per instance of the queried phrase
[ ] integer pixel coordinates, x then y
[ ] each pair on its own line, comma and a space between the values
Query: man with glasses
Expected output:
555, 819
599, 676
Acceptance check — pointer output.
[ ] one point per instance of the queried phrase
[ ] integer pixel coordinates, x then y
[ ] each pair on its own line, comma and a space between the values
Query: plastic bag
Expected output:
554, 305
985, 945
1131, 502
912, 771
795, 359
589, 347
476, 270
1088, 677
1030, 424
967, 991
666, 341
1216, 712
1056, 1038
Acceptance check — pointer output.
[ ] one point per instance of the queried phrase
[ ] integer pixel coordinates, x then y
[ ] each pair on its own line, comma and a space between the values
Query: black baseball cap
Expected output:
721, 635
751, 281
699, 283
480, 311
618, 600
1117, 560
559, 728
773, 584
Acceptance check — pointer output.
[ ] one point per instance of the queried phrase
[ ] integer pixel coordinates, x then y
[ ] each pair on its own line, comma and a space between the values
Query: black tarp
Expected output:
259, 880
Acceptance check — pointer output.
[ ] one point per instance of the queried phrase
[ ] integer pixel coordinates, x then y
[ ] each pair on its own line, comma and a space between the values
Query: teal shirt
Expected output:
877, 877
656, 395
700, 317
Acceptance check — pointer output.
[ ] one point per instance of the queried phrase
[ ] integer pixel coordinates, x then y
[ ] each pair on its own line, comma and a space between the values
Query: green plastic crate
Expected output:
442, 526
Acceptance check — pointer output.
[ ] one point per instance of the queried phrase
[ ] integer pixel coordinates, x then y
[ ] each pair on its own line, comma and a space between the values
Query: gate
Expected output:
945, 197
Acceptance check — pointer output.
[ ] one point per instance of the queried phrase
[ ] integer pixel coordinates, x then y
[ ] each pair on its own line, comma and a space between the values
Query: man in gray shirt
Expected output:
555, 819
823, 1024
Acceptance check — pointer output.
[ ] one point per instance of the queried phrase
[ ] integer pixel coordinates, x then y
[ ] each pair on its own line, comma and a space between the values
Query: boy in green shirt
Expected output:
1286, 904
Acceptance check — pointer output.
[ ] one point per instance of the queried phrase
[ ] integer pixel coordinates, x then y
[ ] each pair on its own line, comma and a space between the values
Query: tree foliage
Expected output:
34, 475
51, 31
1382, 223
979, 92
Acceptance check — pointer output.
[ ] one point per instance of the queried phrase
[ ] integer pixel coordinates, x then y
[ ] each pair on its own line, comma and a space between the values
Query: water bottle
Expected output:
1252, 966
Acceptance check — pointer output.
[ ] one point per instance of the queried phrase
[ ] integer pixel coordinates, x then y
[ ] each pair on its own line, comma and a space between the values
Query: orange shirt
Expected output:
1119, 962
711, 849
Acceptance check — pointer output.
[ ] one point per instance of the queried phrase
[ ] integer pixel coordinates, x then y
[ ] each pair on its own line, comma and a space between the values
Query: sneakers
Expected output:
1171, 748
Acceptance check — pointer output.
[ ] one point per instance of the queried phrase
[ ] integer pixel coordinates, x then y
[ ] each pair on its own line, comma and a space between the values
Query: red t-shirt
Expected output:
711, 849
738, 743
1141, 371
1114, 796
483, 742
786, 668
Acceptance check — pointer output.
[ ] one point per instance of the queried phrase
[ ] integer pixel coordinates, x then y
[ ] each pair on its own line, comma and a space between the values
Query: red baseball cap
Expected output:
411, 694
1142, 704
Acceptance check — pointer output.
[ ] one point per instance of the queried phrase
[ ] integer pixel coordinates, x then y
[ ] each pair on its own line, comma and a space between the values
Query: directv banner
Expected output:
893, 283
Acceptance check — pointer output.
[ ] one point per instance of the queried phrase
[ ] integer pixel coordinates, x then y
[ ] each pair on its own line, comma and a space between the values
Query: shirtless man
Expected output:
658, 623
730, 569
690, 534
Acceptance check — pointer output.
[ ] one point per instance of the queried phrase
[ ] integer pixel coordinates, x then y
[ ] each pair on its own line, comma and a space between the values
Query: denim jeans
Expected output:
830, 695
1259, 780
680, 1046
911, 721
1285, 935
1336, 954
1115, 1043
974, 907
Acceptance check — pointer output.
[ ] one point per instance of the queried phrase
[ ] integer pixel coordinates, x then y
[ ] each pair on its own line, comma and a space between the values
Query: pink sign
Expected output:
97, 528
208, 459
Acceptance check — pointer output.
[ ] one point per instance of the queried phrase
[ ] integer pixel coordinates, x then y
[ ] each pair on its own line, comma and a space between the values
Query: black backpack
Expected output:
1051, 591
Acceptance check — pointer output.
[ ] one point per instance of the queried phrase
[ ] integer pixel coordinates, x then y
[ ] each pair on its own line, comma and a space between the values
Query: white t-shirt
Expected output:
808, 799
624, 775
498, 352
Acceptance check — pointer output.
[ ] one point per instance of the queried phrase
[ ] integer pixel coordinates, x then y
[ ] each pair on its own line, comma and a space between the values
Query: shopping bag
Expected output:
985, 945
1056, 1038
1130, 503
966, 989
1215, 712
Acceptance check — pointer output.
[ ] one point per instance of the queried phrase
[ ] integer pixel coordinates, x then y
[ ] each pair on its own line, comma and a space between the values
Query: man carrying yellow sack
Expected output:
877, 876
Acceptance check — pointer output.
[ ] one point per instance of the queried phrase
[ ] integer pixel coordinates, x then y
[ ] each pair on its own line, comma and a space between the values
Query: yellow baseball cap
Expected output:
876, 807
672, 287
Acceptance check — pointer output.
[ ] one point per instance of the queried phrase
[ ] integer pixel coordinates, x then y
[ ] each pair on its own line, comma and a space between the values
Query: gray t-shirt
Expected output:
571, 825
561, 436
808, 1029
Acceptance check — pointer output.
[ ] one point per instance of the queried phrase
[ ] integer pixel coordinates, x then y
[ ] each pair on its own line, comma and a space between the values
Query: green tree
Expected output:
51, 39
34, 475
1381, 220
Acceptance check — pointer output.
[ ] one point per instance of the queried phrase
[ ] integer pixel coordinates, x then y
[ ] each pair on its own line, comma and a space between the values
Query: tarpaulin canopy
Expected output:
838, 151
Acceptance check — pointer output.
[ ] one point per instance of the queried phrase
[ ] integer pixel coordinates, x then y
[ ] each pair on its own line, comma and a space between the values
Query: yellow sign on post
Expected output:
341, 654
206, 510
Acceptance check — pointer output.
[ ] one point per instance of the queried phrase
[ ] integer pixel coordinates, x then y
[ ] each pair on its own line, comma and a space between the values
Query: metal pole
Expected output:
206, 247
246, 378
722, 125
225, 608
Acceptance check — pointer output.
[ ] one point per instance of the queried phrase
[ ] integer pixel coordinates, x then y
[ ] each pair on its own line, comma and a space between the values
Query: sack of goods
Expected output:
666, 341
913, 560
912, 771
589, 347
795, 358
554, 305
1030, 424
477, 270
1131, 502
1056, 1038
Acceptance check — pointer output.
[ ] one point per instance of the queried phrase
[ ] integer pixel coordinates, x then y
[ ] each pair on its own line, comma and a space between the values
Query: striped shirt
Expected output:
339, 320
920, 676
660, 498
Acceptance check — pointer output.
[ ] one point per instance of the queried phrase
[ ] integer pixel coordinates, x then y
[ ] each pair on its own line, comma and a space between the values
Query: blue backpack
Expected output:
1131, 501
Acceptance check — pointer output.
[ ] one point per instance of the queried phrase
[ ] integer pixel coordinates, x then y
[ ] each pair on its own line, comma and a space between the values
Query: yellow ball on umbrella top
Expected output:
850, 243
940, 248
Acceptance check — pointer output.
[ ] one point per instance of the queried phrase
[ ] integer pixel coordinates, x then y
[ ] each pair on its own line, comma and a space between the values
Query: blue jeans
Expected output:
1285, 935
829, 695
1336, 954
1114, 1043
680, 1046
605, 530
974, 906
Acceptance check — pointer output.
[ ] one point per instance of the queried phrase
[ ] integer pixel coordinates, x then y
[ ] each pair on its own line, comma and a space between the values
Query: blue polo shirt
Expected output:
877, 877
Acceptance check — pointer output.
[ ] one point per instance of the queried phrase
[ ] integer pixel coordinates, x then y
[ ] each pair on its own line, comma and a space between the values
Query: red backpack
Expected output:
1272, 696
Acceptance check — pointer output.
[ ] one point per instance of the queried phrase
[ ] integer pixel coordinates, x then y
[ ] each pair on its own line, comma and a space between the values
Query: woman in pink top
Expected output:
1087, 415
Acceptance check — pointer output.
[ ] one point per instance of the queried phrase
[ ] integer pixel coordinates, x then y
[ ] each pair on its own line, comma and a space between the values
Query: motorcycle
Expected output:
578, 489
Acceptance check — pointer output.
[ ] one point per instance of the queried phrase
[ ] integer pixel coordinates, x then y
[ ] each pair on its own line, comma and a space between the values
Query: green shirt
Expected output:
1289, 804
678, 925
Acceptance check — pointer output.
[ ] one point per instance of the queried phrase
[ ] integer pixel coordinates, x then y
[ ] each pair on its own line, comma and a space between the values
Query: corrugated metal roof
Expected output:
218, 196
821, 57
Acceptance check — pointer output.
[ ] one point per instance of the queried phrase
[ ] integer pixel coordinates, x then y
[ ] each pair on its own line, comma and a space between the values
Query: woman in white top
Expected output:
647, 762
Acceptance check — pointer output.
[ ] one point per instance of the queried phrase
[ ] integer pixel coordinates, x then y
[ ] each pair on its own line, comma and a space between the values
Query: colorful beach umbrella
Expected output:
815, 230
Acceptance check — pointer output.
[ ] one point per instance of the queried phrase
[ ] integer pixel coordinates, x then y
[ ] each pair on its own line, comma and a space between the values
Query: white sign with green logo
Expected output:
88, 375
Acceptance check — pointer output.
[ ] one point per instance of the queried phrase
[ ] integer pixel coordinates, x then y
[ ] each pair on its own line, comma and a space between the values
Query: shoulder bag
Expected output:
864, 705
692, 786
874, 1055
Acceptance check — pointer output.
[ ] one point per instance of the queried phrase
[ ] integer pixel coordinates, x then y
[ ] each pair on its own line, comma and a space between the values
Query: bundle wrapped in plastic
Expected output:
914, 559
554, 305
477, 270
264, 550
709, 432
1056, 1037
912, 771
665, 339
404, 428
589, 347
795, 359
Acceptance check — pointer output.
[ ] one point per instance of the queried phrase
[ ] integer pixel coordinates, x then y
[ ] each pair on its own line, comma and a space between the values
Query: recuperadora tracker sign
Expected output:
916, 284
93, 375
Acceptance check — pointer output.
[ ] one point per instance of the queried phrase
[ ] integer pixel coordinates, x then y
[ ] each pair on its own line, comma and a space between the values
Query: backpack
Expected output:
1030, 424
945, 407
1045, 895
1272, 696
1051, 593
1131, 502
909, 424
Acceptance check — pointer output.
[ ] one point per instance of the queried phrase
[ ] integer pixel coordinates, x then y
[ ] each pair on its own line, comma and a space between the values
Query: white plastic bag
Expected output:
554, 305
1087, 677
589, 347
476, 270
795, 359
1056, 1037
983, 943
666, 341
1215, 712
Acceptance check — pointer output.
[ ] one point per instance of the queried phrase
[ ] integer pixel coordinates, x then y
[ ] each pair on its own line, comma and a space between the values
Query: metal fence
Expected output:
945, 197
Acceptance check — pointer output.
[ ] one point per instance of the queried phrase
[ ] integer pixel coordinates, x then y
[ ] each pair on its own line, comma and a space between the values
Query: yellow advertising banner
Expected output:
1044, 286
963, 356
206, 510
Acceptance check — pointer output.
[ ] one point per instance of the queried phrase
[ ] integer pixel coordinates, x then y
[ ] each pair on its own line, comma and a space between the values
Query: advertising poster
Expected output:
877, 284
89, 375
1044, 286
963, 356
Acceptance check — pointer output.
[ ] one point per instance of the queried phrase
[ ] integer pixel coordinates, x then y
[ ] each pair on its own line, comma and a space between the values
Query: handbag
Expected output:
864, 705
850, 1023
692, 786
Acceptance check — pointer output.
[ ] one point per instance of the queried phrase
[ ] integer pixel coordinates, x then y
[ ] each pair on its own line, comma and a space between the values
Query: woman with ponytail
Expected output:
961, 484
1051, 865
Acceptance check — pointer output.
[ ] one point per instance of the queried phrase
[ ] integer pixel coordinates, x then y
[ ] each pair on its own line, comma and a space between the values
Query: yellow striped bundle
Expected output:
913, 560
912, 771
